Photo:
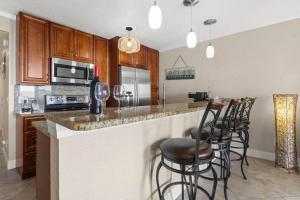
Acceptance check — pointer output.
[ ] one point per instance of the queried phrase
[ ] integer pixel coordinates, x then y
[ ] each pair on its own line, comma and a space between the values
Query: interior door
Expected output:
143, 87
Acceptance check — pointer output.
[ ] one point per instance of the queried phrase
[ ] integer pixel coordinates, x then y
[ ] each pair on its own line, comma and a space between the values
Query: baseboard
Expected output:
11, 164
5, 155
264, 155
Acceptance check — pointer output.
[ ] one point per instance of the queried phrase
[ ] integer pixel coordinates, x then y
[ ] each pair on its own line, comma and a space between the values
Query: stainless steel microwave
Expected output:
71, 72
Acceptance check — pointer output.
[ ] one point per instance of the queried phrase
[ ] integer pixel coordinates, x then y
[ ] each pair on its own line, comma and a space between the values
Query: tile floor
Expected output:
264, 183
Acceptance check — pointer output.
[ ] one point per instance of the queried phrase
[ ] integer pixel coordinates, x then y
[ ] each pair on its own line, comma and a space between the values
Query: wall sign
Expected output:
180, 73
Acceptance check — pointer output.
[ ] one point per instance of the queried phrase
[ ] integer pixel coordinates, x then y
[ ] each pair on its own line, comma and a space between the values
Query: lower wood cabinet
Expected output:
26, 145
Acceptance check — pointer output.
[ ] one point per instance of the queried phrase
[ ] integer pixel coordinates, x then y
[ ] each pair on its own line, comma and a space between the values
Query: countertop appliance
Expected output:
71, 72
198, 96
136, 82
66, 102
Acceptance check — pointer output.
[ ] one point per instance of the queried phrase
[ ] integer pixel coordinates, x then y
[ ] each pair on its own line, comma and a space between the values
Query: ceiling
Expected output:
108, 18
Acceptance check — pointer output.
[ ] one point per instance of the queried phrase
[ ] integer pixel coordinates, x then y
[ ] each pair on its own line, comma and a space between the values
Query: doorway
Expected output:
4, 64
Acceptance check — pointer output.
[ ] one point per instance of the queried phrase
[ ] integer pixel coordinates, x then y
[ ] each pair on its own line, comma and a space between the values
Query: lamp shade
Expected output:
129, 44
191, 39
285, 107
210, 51
155, 17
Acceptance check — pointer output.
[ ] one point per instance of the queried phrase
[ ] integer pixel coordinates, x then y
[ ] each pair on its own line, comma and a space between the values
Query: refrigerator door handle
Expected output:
137, 94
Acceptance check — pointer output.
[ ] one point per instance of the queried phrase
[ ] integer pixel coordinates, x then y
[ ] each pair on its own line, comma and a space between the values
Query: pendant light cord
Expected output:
191, 18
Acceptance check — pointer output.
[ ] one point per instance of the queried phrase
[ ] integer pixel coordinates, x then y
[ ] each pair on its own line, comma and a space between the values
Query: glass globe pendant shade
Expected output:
155, 17
191, 39
210, 51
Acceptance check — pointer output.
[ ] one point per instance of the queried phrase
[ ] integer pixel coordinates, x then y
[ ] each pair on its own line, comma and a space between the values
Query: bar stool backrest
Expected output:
247, 104
213, 109
229, 117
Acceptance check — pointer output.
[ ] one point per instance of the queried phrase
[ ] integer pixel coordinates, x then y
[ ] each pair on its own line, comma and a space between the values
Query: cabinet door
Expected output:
125, 58
154, 95
153, 66
83, 47
141, 58
33, 49
101, 57
61, 41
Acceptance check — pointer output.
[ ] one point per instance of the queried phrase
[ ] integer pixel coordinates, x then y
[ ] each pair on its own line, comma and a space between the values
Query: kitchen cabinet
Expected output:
33, 50
26, 144
125, 58
61, 41
140, 59
83, 47
153, 66
70, 44
101, 57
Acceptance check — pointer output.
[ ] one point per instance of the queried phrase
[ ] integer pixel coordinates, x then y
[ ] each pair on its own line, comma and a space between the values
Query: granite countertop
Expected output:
41, 126
35, 113
84, 120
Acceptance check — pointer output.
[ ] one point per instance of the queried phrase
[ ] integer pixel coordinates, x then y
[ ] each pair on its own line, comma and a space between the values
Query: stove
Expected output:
66, 102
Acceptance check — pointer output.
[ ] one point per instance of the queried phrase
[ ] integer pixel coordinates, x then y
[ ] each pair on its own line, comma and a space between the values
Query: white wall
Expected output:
255, 63
9, 25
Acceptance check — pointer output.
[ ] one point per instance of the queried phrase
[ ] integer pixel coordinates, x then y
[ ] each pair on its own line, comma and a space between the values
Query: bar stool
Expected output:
221, 138
240, 132
188, 155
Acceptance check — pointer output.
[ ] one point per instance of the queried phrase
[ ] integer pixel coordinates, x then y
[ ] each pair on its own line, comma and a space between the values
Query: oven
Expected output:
67, 72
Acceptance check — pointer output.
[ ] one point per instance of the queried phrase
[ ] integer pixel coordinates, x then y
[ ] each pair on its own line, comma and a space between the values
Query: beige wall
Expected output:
8, 25
4, 35
255, 63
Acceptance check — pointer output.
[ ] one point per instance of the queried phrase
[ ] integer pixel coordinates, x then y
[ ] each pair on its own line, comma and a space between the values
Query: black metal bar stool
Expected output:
221, 139
188, 155
240, 132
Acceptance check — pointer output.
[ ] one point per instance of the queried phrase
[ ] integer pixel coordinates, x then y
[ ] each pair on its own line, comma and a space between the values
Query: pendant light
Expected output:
155, 16
210, 50
129, 44
191, 38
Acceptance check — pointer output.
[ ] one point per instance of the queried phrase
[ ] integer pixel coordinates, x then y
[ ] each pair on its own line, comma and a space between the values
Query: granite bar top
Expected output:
41, 126
84, 120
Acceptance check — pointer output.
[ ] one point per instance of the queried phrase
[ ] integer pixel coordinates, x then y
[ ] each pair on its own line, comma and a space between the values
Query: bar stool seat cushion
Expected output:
205, 135
183, 150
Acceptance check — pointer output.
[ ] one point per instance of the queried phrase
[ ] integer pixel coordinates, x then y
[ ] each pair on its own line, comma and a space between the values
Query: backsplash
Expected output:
24, 92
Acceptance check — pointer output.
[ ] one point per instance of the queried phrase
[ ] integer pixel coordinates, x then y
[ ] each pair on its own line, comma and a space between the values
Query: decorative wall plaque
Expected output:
180, 73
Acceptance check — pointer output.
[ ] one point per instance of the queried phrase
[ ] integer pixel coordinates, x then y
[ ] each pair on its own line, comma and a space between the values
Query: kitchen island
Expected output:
114, 157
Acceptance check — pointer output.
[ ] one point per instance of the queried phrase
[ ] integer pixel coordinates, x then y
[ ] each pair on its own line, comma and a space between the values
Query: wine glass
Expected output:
102, 93
119, 93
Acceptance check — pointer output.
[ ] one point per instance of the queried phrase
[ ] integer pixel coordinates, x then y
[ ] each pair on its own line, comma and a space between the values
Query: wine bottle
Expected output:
95, 106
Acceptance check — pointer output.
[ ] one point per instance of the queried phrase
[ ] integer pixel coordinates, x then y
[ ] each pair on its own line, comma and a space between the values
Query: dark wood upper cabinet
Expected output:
33, 50
153, 66
141, 57
125, 58
71, 44
61, 41
83, 46
101, 57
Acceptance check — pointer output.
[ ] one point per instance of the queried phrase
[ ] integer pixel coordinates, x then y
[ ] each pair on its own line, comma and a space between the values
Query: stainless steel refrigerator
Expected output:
137, 85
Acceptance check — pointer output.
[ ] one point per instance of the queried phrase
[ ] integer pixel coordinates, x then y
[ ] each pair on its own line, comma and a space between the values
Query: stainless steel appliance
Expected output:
137, 84
66, 102
71, 72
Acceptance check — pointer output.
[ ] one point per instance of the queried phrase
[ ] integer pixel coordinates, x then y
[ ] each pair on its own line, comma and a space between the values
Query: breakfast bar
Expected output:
93, 157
